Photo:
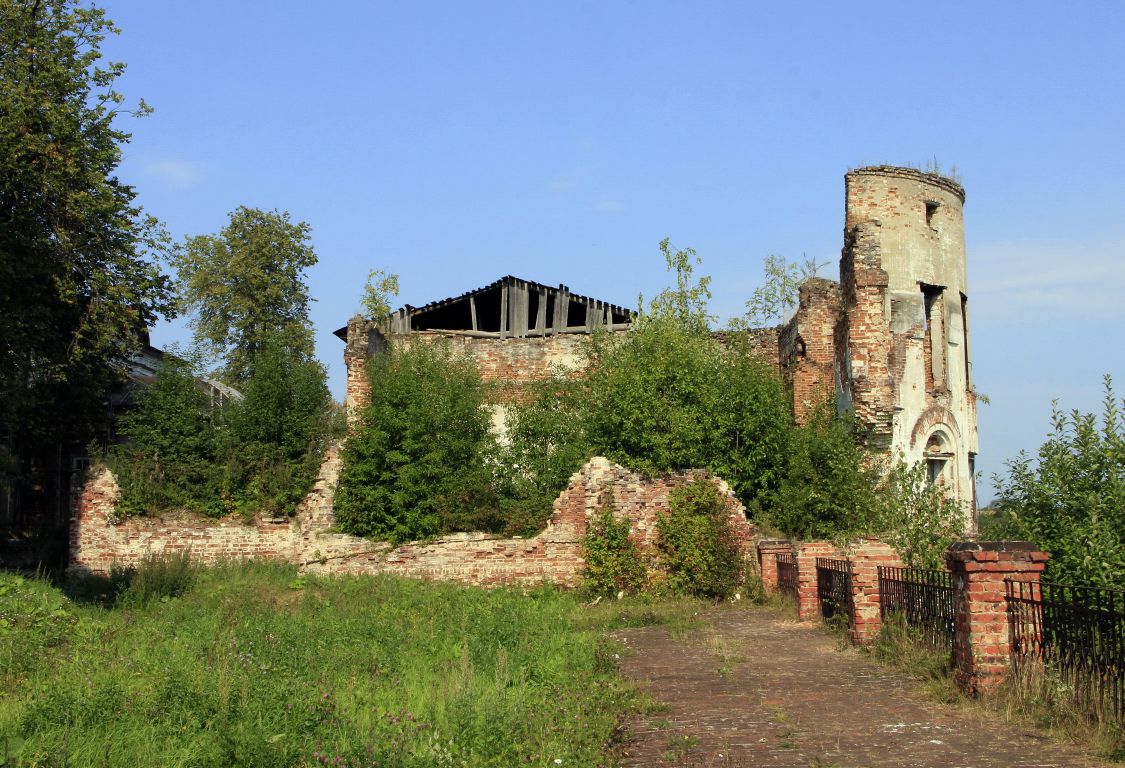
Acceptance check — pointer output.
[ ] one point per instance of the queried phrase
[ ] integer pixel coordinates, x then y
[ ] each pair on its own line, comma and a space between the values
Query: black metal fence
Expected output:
787, 574
1077, 635
924, 598
833, 586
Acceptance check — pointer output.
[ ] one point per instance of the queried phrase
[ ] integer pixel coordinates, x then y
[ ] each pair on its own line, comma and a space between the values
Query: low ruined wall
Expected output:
554, 555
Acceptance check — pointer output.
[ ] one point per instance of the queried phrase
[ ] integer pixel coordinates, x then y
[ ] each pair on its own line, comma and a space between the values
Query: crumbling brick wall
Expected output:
554, 555
807, 347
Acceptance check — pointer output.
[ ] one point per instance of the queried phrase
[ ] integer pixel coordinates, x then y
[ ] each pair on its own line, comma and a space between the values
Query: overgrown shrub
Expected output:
828, 490
171, 459
188, 450
277, 434
1070, 500
917, 518
159, 576
546, 444
697, 545
416, 464
613, 563
666, 396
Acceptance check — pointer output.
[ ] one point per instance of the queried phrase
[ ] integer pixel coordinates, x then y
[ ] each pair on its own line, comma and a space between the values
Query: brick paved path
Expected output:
755, 688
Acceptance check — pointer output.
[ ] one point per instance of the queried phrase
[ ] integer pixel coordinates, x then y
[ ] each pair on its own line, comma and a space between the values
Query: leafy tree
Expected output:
686, 304
79, 279
546, 444
613, 563
171, 459
779, 293
1071, 500
416, 465
697, 544
917, 518
277, 433
828, 490
381, 286
667, 395
246, 286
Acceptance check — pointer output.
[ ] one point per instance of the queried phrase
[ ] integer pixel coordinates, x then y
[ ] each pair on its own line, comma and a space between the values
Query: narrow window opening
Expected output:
965, 330
937, 457
934, 344
931, 209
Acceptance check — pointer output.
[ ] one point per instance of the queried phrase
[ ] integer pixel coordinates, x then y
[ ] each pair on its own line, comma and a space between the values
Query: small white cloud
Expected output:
608, 205
1013, 281
175, 173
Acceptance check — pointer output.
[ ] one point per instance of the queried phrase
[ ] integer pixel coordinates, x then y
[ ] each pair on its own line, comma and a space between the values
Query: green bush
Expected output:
159, 576
172, 457
259, 455
416, 464
546, 444
698, 548
828, 490
917, 518
613, 564
276, 435
1071, 500
666, 397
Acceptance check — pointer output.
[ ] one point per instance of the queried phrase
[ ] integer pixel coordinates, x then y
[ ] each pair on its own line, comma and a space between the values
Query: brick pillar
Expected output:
768, 550
357, 391
864, 558
981, 643
808, 604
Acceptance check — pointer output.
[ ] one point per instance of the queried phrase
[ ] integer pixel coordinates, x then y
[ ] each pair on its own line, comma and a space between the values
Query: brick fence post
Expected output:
864, 558
808, 603
768, 550
981, 640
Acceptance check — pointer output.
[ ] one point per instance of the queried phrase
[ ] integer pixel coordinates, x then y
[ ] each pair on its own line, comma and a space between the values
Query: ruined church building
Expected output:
890, 340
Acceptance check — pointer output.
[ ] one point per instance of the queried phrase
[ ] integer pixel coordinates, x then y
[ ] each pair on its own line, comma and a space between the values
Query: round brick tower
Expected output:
905, 324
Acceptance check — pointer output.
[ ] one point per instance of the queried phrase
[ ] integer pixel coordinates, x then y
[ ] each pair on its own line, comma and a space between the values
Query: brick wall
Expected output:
807, 346
981, 638
554, 555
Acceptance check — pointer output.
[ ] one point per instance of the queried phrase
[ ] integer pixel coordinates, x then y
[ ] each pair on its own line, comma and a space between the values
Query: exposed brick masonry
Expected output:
981, 641
808, 601
555, 555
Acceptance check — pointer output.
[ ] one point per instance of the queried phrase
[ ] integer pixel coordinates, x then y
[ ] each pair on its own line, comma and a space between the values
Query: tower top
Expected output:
913, 174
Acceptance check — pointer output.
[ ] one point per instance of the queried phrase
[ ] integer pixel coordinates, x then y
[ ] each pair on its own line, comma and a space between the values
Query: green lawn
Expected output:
255, 666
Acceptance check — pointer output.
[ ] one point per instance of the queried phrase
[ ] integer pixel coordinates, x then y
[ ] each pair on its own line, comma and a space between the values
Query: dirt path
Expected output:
754, 688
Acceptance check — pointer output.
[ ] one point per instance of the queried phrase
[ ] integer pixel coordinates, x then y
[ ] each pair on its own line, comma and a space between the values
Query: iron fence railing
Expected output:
1076, 635
923, 598
787, 574
833, 586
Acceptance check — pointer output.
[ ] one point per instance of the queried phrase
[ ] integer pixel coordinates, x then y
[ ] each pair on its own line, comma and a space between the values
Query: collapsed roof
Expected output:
510, 307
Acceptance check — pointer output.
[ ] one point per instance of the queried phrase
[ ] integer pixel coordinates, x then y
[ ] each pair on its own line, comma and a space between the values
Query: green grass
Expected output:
253, 665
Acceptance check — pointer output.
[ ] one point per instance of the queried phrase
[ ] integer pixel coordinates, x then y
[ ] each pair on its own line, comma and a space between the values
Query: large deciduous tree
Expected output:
246, 286
79, 273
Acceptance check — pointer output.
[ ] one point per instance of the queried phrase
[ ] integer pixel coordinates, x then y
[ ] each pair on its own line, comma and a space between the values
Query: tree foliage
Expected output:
1070, 500
189, 449
380, 288
828, 489
613, 562
416, 465
79, 278
697, 545
172, 456
667, 395
779, 293
246, 285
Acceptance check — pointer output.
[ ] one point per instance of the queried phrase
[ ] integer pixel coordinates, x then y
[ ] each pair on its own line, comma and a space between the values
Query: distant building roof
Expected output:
512, 307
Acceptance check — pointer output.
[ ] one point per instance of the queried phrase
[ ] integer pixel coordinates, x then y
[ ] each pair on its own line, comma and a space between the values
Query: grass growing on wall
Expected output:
254, 665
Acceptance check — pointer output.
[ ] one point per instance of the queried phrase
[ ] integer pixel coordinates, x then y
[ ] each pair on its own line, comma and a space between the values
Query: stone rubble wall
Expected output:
99, 541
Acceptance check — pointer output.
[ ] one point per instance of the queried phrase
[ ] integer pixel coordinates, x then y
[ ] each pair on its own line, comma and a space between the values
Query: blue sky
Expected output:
455, 142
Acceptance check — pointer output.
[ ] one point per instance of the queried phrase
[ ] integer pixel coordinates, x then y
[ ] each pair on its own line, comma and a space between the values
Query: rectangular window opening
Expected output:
931, 209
